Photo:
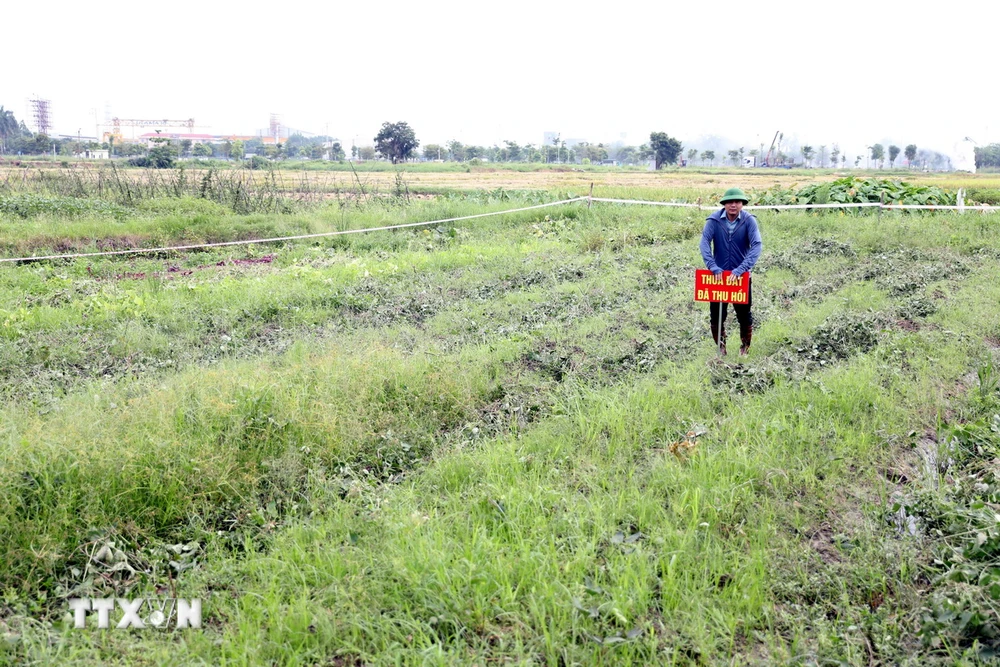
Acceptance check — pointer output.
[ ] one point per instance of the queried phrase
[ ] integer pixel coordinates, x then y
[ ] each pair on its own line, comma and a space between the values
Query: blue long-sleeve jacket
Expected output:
737, 252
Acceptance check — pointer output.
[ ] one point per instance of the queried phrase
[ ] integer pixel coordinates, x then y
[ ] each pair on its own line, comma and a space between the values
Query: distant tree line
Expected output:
17, 139
512, 151
919, 158
987, 156
397, 142
824, 157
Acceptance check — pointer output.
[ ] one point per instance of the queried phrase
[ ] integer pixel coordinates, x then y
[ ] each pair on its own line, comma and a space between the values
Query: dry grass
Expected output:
690, 181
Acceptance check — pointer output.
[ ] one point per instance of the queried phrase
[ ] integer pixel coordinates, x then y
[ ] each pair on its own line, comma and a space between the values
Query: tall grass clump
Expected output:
241, 190
217, 450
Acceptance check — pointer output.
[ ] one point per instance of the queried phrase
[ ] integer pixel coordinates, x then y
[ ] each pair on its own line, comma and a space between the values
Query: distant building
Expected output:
93, 154
205, 138
72, 137
963, 155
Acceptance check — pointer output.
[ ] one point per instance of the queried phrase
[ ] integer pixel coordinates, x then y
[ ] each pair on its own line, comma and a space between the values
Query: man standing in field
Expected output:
731, 242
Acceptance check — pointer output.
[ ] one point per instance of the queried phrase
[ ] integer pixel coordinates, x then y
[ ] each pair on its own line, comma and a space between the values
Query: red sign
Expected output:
724, 288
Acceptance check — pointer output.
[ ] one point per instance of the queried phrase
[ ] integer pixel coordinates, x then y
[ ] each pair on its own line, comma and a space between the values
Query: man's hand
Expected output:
736, 274
717, 272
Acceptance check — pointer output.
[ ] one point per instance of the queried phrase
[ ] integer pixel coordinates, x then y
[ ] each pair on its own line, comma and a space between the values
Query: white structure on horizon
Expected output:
963, 155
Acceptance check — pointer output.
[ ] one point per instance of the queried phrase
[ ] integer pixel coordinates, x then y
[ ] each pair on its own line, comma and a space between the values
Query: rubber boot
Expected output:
746, 335
720, 339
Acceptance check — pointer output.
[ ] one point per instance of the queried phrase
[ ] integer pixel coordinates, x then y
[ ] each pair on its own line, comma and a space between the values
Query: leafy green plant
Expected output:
851, 190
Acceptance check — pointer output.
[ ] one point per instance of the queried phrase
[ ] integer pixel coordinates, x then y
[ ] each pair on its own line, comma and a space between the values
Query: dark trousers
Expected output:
743, 316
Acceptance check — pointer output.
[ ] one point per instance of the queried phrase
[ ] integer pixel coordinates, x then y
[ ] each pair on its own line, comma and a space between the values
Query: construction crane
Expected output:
767, 160
117, 124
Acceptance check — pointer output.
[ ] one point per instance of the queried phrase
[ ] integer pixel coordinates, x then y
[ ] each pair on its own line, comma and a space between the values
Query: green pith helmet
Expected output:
733, 194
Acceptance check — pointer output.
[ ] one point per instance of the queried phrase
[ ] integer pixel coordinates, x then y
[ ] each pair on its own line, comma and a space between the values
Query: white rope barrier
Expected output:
773, 207
589, 199
985, 208
643, 201
219, 244
800, 206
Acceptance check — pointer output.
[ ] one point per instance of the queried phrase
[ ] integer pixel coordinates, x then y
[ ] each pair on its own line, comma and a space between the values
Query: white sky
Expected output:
853, 72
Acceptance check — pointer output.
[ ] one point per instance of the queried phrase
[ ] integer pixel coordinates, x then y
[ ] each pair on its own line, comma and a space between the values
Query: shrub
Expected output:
258, 162
989, 196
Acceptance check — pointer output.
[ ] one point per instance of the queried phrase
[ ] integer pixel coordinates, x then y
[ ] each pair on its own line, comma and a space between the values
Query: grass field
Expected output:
345, 179
504, 440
